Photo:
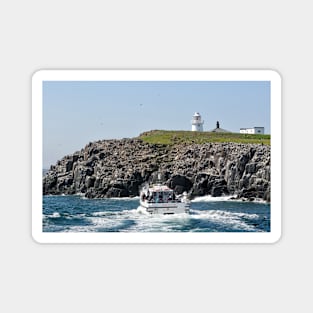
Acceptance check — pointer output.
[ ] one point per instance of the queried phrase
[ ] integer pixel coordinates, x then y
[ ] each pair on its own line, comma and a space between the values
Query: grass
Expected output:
172, 137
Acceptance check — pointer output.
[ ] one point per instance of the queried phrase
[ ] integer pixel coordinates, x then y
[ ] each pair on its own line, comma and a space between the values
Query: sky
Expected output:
78, 112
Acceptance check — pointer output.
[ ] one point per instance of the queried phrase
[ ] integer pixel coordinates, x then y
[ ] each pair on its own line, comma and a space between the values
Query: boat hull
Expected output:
165, 208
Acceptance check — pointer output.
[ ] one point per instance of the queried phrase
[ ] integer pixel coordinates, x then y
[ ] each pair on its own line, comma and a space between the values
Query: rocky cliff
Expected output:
117, 168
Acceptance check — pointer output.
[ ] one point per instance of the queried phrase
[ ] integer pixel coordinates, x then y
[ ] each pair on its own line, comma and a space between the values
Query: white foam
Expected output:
82, 196
209, 198
99, 214
212, 199
237, 221
227, 218
123, 198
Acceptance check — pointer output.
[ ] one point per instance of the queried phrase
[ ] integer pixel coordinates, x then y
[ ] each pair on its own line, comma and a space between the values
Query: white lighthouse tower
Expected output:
197, 123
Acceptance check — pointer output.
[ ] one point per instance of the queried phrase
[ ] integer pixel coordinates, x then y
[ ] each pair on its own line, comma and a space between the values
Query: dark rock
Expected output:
179, 183
178, 189
90, 182
251, 168
219, 188
69, 166
267, 195
117, 168
89, 171
75, 158
117, 193
200, 186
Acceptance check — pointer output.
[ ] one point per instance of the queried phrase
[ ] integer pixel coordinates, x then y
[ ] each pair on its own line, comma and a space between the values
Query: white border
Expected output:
175, 75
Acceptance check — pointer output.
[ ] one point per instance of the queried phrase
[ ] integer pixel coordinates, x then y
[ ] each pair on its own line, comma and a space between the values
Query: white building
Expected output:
197, 123
253, 130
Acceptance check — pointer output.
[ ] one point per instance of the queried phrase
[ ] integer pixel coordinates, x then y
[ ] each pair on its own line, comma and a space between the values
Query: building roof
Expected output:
218, 129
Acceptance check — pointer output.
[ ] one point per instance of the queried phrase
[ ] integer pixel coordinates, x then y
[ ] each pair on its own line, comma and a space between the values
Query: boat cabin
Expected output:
161, 195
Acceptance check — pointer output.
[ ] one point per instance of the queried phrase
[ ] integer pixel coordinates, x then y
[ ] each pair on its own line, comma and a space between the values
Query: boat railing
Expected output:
162, 201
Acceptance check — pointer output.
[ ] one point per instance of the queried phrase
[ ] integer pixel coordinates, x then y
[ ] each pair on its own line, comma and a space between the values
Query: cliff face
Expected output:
117, 168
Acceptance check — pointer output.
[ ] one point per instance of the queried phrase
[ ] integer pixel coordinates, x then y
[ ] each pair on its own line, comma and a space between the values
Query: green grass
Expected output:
171, 137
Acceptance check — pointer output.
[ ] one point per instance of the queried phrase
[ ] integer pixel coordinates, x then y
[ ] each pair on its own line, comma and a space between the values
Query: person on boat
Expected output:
143, 197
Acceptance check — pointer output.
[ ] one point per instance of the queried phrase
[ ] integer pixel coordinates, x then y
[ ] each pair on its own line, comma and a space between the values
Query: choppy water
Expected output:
77, 214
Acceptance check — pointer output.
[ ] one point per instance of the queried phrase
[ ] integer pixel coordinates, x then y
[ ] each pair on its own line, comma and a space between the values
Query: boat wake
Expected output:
207, 214
137, 220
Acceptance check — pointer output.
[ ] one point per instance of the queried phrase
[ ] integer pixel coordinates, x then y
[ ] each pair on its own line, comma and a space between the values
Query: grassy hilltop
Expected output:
171, 137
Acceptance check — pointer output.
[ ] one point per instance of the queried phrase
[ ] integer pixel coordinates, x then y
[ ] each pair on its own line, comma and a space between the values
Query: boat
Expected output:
160, 199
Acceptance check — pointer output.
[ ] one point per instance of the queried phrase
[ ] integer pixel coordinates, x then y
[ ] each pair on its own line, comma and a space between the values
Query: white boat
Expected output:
160, 199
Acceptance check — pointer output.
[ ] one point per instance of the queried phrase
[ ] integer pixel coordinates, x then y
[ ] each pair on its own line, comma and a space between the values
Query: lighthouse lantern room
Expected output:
197, 123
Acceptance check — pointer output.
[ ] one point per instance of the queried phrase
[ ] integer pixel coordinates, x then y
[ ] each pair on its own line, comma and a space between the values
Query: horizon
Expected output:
78, 112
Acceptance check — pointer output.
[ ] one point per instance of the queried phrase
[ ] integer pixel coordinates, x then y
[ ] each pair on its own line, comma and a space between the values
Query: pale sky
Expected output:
76, 113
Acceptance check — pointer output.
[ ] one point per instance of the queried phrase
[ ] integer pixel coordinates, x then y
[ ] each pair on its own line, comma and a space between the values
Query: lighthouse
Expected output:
197, 123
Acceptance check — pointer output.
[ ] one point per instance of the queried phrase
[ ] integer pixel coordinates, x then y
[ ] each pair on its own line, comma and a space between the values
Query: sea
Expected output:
75, 213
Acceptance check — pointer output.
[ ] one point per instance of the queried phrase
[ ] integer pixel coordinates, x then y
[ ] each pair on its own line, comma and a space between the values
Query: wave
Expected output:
209, 198
212, 199
133, 221
104, 216
83, 197
223, 214
81, 194
125, 198
237, 221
